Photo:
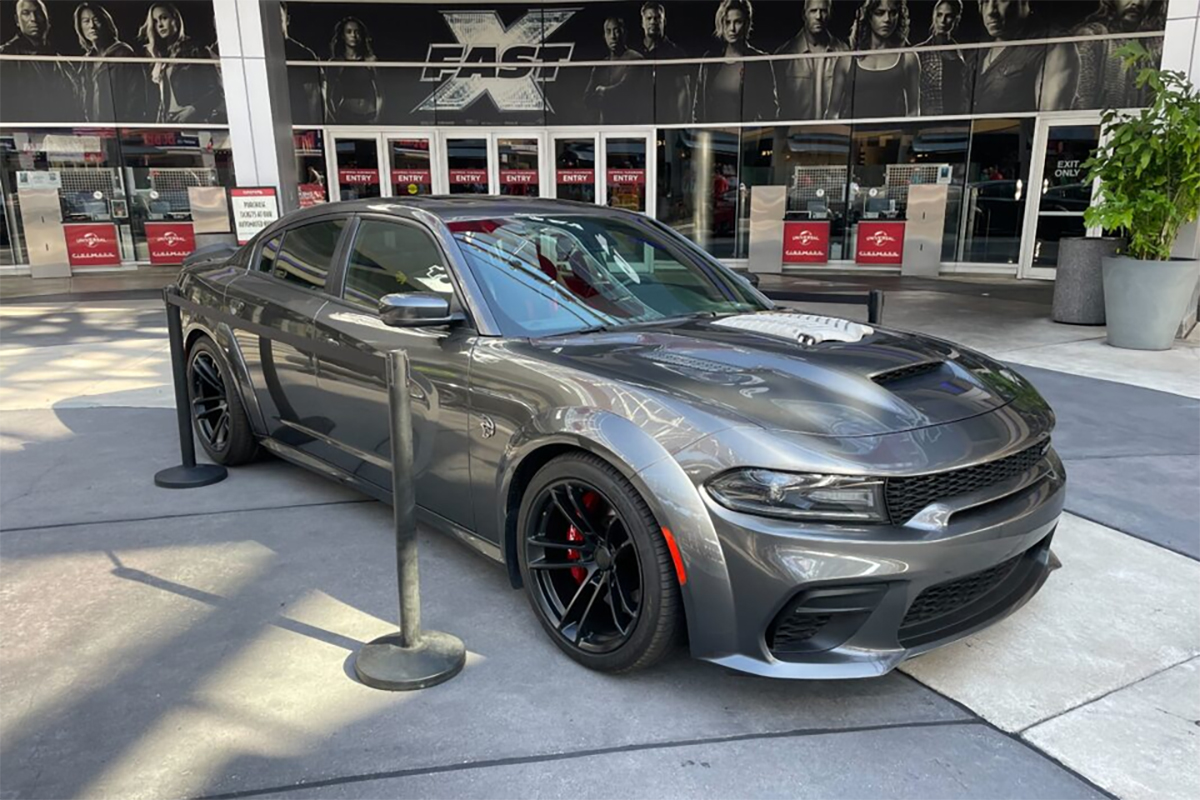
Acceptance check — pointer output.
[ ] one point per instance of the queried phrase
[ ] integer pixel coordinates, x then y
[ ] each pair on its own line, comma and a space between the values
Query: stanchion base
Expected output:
182, 477
385, 664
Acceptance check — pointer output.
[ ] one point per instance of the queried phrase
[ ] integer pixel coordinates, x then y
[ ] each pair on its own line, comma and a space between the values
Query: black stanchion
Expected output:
189, 474
411, 658
875, 307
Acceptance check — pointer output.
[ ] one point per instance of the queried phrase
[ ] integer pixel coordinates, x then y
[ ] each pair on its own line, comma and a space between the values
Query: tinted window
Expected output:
307, 253
268, 254
388, 258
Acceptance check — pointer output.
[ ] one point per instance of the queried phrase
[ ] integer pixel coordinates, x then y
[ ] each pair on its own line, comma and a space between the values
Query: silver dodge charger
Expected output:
653, 450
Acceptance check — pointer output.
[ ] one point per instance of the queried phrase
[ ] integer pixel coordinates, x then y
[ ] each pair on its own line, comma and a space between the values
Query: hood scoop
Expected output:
804, 329
906, 371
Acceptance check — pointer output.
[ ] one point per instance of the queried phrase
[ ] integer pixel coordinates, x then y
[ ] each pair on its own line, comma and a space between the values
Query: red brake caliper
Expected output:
574, 536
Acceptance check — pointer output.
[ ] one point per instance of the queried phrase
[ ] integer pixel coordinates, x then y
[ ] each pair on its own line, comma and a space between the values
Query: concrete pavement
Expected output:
198, 643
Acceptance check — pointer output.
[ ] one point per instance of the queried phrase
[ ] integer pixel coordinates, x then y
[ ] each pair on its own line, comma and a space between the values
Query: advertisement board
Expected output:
806, 242
92, 245
170, 242
879, 243
311, 194
254, 208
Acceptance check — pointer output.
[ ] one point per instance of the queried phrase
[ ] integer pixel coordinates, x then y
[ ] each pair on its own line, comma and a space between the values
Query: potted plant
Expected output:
1149, 188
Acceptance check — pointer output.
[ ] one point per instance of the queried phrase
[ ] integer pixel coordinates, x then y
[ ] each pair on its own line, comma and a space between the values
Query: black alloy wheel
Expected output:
217, 414
595, 566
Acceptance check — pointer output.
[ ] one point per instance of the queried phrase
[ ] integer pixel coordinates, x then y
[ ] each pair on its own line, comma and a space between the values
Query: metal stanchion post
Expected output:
411, 658
189, 474
875, 307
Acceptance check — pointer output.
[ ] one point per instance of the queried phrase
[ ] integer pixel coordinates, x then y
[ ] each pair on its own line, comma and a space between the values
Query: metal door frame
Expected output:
1033, 201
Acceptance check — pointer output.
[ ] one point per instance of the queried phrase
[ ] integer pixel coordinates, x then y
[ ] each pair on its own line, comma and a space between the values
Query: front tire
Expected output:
596, 567
218, 417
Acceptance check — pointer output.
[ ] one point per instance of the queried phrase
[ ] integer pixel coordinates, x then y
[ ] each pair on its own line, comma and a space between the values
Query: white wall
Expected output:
1181, 51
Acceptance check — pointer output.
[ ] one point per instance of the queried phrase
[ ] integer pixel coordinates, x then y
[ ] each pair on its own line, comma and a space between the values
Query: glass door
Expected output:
410, 161
575, 168
467, 168
627, 170
356, 165
518, 165
1062, 191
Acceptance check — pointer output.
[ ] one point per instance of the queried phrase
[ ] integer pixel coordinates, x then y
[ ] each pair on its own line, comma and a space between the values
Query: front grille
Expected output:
907, 371
946, 598
906, 496
797, 629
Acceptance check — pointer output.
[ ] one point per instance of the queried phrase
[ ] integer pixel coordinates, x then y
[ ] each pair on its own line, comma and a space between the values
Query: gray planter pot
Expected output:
1079, 279
1144, 301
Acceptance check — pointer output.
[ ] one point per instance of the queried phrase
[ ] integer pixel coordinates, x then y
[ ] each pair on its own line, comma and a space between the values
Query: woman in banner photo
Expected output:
187, 92
885, 85
735, 89
354, 96
108, 91
945, 78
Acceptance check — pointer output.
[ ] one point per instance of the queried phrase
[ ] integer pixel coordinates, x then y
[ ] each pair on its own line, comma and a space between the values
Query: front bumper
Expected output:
824, 601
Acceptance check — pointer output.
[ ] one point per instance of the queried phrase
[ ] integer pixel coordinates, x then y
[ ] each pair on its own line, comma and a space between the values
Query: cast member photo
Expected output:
885, 84
610, 86
47, 86
673, 83
1013, 77
306, 84
720, 87
1104, 82
186, 92
945, 75
806, 84
108, 88
353, 91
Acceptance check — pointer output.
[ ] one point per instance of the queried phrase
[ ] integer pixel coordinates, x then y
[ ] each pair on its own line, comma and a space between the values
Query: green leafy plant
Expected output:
1149, 168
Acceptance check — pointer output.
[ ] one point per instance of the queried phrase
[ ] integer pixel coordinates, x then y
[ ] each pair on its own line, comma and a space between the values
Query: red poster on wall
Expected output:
519, 177
311, 194
879, 243
417, 176
92, 245
576, 176
358, 177
633, 177
461, 176
806, 242
170, 242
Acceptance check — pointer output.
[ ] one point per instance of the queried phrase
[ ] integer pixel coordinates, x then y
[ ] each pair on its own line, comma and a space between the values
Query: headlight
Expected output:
796, 496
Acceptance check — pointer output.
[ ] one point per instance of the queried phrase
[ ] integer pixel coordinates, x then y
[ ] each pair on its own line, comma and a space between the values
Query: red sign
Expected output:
170, 242
806, 242
632, 177
459, 176
523, 177
92, 245
358, 177
311, 194
576, 176
410, 176
879, 243
158, 138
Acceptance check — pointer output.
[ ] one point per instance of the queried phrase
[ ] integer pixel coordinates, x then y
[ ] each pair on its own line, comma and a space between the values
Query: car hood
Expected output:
797, 372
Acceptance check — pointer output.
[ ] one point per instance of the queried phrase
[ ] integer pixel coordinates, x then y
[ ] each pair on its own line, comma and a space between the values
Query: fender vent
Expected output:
907, 371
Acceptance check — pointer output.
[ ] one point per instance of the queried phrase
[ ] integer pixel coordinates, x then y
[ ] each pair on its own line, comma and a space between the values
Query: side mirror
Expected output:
414, 309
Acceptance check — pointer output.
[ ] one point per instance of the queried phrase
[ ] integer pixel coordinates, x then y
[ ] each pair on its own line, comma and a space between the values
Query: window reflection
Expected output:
698, 185
994, 201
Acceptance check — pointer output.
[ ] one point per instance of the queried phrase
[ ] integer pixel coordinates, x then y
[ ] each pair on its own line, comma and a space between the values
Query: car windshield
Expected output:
548, 275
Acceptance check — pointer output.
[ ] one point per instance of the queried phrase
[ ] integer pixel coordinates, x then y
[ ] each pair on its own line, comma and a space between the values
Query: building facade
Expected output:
675, 108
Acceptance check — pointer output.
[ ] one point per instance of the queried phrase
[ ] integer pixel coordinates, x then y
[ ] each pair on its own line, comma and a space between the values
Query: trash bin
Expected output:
1079, 280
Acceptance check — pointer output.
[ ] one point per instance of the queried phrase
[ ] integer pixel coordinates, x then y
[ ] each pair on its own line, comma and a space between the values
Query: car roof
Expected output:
450, 208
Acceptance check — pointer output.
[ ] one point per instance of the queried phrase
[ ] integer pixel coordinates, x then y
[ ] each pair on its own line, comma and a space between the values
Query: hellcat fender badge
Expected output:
487, 427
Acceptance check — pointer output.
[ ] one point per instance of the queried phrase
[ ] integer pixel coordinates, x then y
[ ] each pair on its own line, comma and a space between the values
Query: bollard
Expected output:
189, 475
875, 307
411, 658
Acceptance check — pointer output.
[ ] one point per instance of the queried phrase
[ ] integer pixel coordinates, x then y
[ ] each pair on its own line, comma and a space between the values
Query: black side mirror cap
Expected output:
415, 310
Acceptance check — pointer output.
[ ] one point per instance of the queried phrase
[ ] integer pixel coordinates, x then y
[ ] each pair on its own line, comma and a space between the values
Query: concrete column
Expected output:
1181, 51
250, 37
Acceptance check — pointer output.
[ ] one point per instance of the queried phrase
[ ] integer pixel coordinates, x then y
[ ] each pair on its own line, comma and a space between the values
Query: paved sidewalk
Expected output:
172, 644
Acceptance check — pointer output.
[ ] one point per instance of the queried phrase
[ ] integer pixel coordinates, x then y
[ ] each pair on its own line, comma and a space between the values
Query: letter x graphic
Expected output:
484, 30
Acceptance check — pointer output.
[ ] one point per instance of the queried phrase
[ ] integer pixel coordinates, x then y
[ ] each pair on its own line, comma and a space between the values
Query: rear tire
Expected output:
218, 416
596, 567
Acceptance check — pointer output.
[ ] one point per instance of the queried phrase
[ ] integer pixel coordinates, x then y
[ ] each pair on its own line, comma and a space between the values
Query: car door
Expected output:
384, 256
276, 300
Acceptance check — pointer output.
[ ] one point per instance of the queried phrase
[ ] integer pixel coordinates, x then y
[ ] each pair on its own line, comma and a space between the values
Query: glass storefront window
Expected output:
698, 185
159, 167
1065, 192
357, 168
310, 167
625, 176
575, 169
518, 167
467, 166
994, 198
411, 170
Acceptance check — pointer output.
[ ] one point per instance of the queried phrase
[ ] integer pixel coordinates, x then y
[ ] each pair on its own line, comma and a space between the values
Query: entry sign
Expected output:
92, 245
879, 243
170, 242
511, 177
806, 242
254, 208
